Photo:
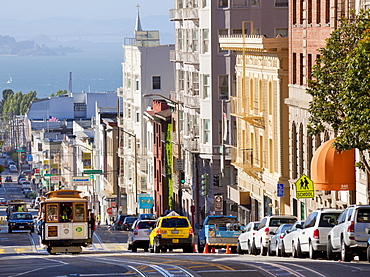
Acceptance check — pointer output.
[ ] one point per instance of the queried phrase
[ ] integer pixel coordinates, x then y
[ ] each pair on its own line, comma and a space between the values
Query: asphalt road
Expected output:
22, 255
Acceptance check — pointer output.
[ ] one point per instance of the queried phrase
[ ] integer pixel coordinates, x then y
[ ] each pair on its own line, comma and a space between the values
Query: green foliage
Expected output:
341, 84
59, 92
16, 103
169, 164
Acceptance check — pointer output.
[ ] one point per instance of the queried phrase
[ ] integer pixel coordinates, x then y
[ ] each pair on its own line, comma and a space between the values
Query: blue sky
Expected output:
83, 9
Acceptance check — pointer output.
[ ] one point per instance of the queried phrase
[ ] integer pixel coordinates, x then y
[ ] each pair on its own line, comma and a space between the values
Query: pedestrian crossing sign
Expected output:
304, 187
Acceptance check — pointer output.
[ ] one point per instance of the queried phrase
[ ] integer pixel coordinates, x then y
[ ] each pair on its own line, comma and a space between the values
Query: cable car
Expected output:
64, 223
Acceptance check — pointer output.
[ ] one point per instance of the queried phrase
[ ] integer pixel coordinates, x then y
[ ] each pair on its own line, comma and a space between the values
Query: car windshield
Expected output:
363, 215
130, 219
146, 224
276, 222
328, 219
21, 216
174, 222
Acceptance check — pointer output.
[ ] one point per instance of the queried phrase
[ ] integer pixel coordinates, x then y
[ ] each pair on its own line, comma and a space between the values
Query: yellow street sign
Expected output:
304, 187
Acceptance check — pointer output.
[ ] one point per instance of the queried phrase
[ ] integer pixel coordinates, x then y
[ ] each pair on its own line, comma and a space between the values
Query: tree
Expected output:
340, 87
59, 92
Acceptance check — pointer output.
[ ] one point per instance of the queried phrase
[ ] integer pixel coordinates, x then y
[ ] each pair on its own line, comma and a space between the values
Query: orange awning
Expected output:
332, 170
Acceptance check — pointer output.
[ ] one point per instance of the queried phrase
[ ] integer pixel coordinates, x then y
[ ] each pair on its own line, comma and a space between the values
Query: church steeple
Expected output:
138, 23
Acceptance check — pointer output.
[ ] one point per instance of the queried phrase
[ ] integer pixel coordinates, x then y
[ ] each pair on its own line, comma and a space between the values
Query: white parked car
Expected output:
266, 229
138, 236
13, 168
289, 242
350, 234
314, 236
245, 238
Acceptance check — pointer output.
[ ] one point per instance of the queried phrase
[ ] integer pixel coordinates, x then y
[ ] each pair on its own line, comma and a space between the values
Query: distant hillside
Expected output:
66, 29
9, 46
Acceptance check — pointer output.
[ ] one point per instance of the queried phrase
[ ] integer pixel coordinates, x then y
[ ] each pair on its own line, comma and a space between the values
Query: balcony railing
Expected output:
176, 14
244, 159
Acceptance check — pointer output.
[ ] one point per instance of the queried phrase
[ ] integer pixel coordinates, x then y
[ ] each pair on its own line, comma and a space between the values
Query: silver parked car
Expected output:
276, 239
350, 234
138, 236
245, 238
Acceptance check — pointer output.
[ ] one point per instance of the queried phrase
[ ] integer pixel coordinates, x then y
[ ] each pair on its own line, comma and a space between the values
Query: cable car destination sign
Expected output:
304, 187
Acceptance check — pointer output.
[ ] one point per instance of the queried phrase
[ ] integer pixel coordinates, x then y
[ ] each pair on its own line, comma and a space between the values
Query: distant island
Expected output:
9, 46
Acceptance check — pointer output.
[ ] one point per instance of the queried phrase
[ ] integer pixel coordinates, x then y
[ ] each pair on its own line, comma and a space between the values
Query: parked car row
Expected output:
330, 233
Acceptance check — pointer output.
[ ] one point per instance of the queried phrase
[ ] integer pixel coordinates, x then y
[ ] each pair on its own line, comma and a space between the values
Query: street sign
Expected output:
93, 171
109, 211
179, 165
80, 181
29, 158
304, 187
48, 175
280, 190
20, 150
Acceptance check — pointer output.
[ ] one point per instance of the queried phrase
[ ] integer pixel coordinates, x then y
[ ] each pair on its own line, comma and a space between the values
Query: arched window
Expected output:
294, 152
260, 96
271, 99
251, 93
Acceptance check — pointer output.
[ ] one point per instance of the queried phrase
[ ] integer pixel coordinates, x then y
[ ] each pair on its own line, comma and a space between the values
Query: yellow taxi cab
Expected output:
171, 232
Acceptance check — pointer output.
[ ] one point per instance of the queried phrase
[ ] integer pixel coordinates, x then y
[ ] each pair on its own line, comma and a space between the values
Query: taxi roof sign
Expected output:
304, 187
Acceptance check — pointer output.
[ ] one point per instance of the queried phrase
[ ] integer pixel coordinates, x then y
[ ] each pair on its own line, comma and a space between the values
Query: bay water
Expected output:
98, 68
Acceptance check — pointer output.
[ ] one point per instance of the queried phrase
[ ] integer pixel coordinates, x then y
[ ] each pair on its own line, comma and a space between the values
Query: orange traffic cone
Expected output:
213, 250
228, 249
205, 249
194, 248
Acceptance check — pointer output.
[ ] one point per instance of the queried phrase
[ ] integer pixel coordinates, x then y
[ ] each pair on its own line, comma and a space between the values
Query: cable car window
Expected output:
79, 212
52, 212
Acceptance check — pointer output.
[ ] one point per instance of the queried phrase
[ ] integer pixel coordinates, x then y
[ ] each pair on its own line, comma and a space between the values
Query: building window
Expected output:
205, 41
137, 116
240, 31
281, 3
309, 11
309, 66
318, 11
137, 85
205, 3
240, 3
294, 68
271, 156
179, 39
207, 130
301, 68
294, 12
271, 99
260, 96
156, 82
281, 31
195, 82
222, 32
251, 94
195, 40
301, 11
327, 12
255, 3
181, 79
79, 107
206, 86
223, 3
223, 86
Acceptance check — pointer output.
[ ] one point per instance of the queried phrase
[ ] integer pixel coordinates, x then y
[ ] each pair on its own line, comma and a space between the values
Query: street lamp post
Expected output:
177, 104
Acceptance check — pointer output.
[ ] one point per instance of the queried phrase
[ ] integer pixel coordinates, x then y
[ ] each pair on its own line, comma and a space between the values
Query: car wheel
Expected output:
294, 251
283, 253
312, 253
146, 249
330, 255
299, 250
156, 248
32, 230
134, 247
9, 230
163, 250
239, 249
263, 250
362, 256
254, 250
345, 252
269, 251
188, 249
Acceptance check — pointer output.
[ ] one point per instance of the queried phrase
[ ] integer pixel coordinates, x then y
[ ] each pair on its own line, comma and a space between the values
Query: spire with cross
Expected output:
138, 23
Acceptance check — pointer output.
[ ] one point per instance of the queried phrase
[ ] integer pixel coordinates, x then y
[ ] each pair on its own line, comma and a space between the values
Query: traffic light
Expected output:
204, 184
216, 180
182, 177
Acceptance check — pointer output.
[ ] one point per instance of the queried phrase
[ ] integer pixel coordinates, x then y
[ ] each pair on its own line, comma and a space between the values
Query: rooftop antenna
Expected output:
70, 83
